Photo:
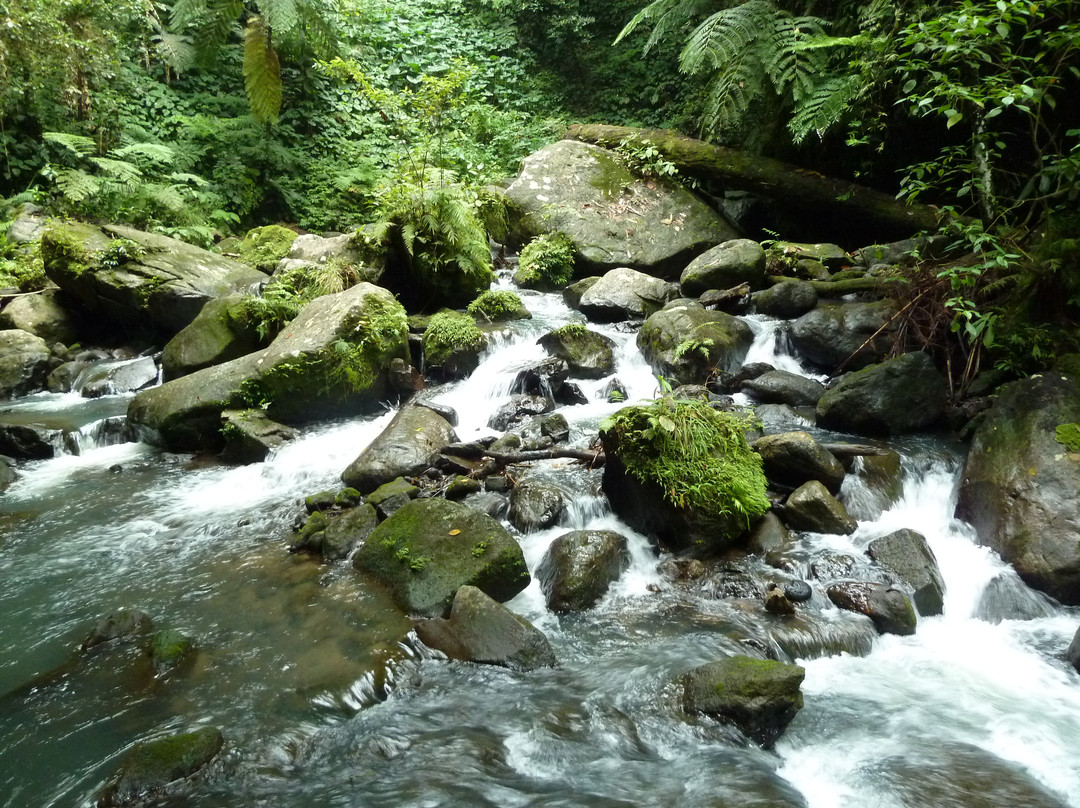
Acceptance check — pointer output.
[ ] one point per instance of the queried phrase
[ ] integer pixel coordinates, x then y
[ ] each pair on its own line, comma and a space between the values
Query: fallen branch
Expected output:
473, 451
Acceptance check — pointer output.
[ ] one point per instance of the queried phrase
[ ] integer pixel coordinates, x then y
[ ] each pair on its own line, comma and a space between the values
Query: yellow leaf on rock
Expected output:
454, 532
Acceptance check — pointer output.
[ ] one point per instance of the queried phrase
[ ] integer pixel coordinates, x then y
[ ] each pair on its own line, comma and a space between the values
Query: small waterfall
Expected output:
770, 345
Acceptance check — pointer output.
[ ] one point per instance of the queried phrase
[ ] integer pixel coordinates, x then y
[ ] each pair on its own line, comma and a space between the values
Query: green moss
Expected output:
698, 456
61, 248
158, 762
119, 252
22, 267
498, 305
610, 177
746, 678
571, 330
1068, 435
348, 498
168, 649
546, 263
450, 332
263, 247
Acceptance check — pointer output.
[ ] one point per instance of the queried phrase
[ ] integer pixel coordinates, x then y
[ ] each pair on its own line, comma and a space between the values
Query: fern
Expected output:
262, 71
824, 106
79, 145
76, 184
280, 15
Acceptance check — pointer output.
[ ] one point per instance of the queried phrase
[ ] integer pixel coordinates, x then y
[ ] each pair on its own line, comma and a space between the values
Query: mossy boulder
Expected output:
580, 566
480, 629
263, 247
453, 343
787, 299
811, 507
128, 281
332, 360
625, 294
250, 436
24, 363
783, 387
40, 315
687, 344
793, 458
546, 263
498, 306
852, 334
212, 338
169, 649
725, 266
588, 355
125, 624
759, 696
430, 548
681, 472
345, 532
152, 765
613, 217
407, 446
888, 607
536, 505
1020, 482
897, 396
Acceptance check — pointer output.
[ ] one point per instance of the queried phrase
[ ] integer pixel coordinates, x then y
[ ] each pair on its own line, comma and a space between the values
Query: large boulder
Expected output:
429, 548
24, 363
41, 316
152, 765
482, 630
587, 354
811, 507
330, 361
625, 294
212, 338
787, 299
1020, 481
725, 266
759, 696
250, 436
687, 344
906, 553
579, 566
614, 218
793, 458
407, 446
899, 395
111, 377
536, 505
889, 608
132, 281
784, 387
28, 441
852, 334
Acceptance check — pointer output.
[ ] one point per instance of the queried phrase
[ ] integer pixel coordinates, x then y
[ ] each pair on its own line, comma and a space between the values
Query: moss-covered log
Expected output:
774, 179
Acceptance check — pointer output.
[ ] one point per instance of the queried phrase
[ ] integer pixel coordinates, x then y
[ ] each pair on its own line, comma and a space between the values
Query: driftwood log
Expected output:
474, 451
774, 179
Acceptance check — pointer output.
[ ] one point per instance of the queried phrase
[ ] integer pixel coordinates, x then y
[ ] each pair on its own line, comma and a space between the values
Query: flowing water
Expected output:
325, 701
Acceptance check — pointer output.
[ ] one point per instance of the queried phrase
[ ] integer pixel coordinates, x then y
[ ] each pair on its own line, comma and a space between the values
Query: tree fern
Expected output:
824, 106
280, 15
262, 71
79, 145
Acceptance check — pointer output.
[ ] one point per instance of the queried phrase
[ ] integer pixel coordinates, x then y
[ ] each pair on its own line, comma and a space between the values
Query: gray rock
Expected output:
580, 566
482, 630
161, 290
785, 300
28, 442
572, 294
1019, 484
725, 266
211, 338
24, 363
518, 410
614, 218
318, 250
832, 256
117, 376
887, 606
40, 315
883, 485
587, 354
62, 379
906, 553
299, 377
7, 475
406, 447
625, 294
250, 436
125, 624
783, 387
793, 458
900, 395
28, 226
152, 765
856, 334
430, 548
687, 345
811, 507
348, 531
535, 505
759, 696
1006, 597
1072, 653
769, 534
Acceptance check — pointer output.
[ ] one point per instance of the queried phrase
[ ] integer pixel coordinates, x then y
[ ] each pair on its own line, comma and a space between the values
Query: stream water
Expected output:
323, 704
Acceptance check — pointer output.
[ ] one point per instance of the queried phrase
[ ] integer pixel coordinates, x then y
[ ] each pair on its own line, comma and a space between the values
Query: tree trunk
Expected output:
785, 183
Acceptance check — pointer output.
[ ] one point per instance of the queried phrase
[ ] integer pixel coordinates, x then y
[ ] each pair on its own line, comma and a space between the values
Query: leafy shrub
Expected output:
498, 304
546, 263
450, 332
698, 456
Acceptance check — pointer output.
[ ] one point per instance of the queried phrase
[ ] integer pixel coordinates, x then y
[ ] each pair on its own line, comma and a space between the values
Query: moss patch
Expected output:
546, 263
263, 247
498, 305
448, 333
1068, 435
698, 456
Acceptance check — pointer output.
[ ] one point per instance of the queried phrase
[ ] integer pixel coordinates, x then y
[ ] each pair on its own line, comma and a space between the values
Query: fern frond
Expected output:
167, 196
156, 153
79, 145
185, 12
176, 50
824, 106
262, 71
668, 17
281, 15
189, 179
76, 184
120, 170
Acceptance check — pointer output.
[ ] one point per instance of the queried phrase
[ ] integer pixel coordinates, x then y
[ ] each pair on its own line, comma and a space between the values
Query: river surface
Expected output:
325, 700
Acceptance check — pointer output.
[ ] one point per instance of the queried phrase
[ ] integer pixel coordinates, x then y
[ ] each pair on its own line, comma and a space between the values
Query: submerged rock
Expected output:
169, 649
480, 629
406, 447
430, 548
152, 765
906, 553
580, 566
759, 696
125, 624
250, 436
613, 217
888, 607
1020, 482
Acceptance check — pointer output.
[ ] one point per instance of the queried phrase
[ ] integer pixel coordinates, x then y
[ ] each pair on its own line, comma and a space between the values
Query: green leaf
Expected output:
953, 119
262, 72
